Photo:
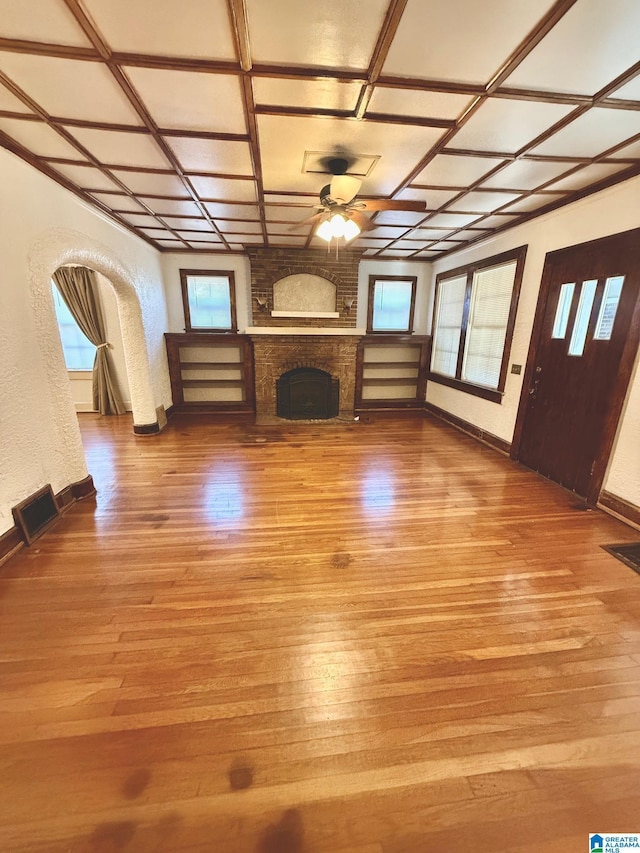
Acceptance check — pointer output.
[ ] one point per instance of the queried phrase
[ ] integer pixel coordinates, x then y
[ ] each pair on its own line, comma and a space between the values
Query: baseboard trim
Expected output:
620, 508
83, 488
11, 542
481, 435
146, 429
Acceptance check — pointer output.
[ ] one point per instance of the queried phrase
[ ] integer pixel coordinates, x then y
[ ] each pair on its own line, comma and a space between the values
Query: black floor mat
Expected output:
629, 553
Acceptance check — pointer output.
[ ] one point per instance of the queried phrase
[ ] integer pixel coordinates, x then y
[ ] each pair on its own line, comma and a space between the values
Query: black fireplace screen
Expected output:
307, 393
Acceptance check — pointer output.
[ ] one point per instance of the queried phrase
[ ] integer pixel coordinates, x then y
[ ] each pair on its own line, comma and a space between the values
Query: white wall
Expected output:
41, 227
611, 211
238, 264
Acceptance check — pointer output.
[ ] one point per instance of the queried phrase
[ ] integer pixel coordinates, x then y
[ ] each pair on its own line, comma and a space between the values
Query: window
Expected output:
474, 316
209, 300
79, 352
562, 311
581, 323
608, 307
391, 303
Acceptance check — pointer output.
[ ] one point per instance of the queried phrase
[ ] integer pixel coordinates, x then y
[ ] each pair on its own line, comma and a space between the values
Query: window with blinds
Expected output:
487, 327
208, 298
474, 315
448, 325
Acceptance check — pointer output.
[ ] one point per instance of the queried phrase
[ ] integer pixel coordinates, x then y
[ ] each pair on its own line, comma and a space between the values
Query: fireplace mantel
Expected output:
302, 330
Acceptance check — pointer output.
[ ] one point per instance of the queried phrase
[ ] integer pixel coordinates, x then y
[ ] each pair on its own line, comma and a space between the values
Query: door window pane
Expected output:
448, 325
581, 325
562, 311
608, 308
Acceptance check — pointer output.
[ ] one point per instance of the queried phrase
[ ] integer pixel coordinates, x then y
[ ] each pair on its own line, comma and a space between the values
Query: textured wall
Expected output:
43, 226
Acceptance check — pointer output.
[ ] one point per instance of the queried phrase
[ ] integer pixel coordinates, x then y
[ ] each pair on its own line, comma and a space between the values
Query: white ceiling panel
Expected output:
8, 101
38, 137
284, 142
594, 132
205, 236
283, 198
409, 102
632, 150
426, 234
140, 219
411, 245
396, 253
469, 234
70, 88
172, 207
496, 221
249, 239
187, 224
591, 45
485, 34
387, 231
191, 100
331, 34
508, 125
316, 94
121, 148
449, 170
157, 233
287, 213
149, 183
483, 202
41, 20
231, 227
406, 218
427, 254
529, 203
434, 198
452, 220
118, 202
211, 155
202, 244
526, 174
630, 91
284, 228
588, 175
86, 176
224, 189
171, 244
200, 30
233, 211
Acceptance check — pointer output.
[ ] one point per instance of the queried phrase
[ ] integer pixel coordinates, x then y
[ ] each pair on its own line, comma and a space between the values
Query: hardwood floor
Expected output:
380, 637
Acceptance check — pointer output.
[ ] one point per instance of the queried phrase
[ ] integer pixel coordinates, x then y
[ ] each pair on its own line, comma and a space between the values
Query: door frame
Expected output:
623, 378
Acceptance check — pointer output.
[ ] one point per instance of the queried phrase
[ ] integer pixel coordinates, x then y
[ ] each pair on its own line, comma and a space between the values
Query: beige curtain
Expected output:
78, 288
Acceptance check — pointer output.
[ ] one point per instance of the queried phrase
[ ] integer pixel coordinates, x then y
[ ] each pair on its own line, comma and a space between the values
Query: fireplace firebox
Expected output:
307, 393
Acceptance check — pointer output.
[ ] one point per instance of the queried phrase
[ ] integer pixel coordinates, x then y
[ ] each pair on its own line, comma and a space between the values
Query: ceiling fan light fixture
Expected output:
337, 226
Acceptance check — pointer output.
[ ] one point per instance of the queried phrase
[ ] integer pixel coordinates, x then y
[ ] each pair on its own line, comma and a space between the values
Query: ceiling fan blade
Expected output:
394, 204
363, 222
344, 188
309, 221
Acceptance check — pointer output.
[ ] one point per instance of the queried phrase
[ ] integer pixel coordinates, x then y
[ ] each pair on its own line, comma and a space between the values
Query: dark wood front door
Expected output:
583, 348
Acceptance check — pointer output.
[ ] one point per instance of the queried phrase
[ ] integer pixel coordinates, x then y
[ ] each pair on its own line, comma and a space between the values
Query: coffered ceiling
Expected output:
192, 122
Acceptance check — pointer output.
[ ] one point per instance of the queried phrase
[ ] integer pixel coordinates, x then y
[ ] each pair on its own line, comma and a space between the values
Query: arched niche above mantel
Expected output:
304, 295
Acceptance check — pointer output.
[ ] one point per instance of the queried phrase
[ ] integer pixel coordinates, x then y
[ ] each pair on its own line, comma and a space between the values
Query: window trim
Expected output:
413, 279
229, 275
494, 395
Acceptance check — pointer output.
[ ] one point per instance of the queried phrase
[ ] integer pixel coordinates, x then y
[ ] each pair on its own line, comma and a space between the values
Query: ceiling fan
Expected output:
339, 214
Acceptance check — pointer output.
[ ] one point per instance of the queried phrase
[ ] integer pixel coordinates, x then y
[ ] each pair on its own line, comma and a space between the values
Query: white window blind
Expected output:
491, 292
391, 306
446, 333
209, 301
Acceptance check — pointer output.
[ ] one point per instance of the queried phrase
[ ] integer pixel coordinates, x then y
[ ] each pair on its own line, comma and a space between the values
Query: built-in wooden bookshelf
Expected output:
211, 372
391, 371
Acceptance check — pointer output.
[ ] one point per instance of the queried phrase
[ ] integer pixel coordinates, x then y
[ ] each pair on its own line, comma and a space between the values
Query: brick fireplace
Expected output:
283, 343
275, 354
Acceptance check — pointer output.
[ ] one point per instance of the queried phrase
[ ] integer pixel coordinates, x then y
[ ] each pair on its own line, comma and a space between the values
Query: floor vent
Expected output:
35, 514
628, 553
